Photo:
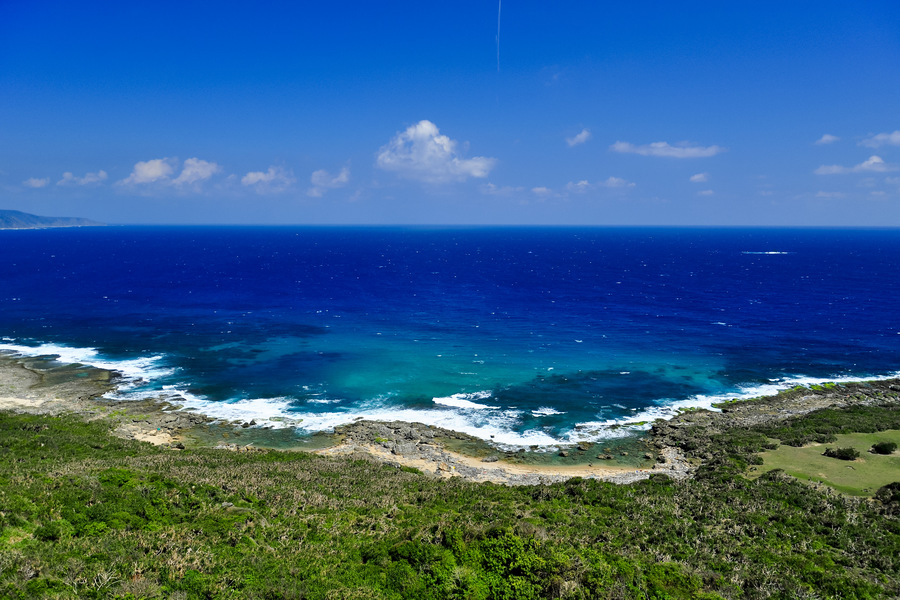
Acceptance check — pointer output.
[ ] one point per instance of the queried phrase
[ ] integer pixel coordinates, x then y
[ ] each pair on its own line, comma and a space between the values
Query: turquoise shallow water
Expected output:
530, 335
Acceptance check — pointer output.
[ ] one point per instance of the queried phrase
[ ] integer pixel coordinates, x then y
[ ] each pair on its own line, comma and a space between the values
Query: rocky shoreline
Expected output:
674, 448
39, 386
426, 448
692, 431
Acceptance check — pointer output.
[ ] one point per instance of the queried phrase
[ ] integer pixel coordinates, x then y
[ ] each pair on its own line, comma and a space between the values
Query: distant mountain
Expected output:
14, 219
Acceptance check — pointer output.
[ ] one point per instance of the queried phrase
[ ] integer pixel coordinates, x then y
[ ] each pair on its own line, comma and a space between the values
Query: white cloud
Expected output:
159, 172
700, 178
542, 191
422, 153
323, 181
706, 193
579, 187
581, 138
882, 139
196, 171
506, 190
89, 178
821, 194
149, 171
681, 150
276, 179
34, 182
874, 164
616, 182
826, 139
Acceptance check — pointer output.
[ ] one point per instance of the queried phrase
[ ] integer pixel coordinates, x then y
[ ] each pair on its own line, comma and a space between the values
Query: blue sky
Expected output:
638, 113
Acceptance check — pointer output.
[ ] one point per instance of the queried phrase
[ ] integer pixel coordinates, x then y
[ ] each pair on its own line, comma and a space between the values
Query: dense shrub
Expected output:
126, 520
884, 447
823, 425
842, 453
889, 496
54, 531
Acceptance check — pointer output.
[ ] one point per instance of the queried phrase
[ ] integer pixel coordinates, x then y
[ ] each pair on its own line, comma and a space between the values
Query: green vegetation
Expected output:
884, 448
824, 426
737, 448
847, 453
889, 496
87, 515
862, 477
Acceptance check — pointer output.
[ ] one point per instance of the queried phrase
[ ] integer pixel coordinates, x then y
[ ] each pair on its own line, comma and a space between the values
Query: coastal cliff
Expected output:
14, 219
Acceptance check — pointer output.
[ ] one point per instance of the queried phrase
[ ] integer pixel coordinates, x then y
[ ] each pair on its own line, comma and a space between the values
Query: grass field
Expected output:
860, 477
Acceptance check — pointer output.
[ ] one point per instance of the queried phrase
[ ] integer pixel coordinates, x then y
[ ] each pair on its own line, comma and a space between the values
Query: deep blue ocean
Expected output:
529, 335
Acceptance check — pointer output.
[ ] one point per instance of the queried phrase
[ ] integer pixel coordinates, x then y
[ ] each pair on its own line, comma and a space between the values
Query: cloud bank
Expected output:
422, 153
882, 139
664, 149
874, 164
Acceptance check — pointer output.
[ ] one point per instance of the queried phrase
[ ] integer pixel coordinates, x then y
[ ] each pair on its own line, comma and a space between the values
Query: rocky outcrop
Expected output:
38, 386
425, 448
692, 430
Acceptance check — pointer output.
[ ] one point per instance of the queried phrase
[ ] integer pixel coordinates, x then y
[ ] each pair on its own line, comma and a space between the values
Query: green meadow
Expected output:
860, 477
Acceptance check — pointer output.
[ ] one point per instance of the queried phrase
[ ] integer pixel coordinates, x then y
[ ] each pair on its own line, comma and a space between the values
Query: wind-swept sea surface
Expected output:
521, 335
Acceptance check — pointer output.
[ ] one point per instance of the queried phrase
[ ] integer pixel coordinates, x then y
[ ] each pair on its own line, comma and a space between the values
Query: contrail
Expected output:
499, 4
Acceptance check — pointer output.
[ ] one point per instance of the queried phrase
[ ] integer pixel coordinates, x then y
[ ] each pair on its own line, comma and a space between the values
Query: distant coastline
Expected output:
15, 219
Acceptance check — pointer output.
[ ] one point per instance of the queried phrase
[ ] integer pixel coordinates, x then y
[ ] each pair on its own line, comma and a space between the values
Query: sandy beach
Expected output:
426, 449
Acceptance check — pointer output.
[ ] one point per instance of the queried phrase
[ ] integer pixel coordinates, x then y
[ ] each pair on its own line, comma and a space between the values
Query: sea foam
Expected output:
466, 400
133, 370
149, 377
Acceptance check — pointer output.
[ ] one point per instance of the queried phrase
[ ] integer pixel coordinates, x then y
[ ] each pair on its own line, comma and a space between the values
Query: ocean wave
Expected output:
669, 407
466, 400
149, 377
134, 370
502, 427
546, 411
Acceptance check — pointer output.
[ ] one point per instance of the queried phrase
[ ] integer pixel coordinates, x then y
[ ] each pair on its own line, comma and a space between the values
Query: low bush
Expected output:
889, 496
130, 521
842, 453
884, 448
